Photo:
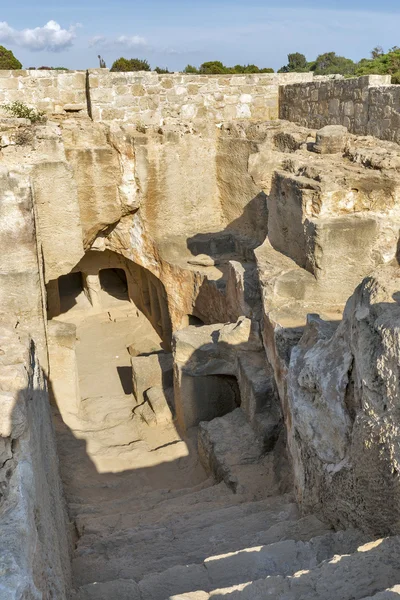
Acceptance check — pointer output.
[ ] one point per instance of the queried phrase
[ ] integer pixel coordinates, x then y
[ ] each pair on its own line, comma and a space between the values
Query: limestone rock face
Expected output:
343, 410
332, 219
102, 167
217, 242
220, 367
57, 217
34, 553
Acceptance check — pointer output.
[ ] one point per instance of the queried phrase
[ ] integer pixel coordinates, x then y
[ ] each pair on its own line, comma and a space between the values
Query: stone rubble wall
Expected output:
49, 91
366, 105
151, 98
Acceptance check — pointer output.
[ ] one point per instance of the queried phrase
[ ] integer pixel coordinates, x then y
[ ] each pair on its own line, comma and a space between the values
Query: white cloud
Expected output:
122, 41
131, 41
50, 37
97, 40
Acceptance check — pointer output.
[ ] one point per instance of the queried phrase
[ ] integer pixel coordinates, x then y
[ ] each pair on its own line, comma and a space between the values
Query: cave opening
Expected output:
114, 286
71, 292
195, 321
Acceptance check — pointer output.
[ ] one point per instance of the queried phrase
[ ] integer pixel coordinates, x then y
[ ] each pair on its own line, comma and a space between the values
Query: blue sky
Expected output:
179, 32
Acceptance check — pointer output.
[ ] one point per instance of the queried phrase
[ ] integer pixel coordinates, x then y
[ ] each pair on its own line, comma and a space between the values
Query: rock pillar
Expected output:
92, 289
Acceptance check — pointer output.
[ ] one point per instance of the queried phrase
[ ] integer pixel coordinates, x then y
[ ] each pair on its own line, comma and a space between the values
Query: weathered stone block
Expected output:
331, 139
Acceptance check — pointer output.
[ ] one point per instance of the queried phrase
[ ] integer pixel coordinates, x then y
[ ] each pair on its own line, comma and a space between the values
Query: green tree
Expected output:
251, 69
121, 64
190, 69
44, 68
248, 69
130, 64
383, 64
8, 60
214, 67
161, 71
377, 52
330, 64
238, 69
297, 63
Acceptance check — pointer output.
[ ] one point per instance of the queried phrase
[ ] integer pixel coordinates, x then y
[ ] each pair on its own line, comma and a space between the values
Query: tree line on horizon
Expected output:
208, 68
380, 63
329, 63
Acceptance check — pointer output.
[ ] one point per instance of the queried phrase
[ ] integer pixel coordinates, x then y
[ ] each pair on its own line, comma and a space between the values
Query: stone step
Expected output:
107, 424
181, 521
389, 594
242, 464
145, 500
133, 554
120, 589
368, 573
191, 508
275, 561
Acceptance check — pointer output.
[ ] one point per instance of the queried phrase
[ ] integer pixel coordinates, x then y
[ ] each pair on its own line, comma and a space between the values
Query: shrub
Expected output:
130, 64
161, 71
8, 60
381, 64
214, 67
191, 69
44, 68
22, 111
121, 64
396, 78
248, 69
297, 63
330, 64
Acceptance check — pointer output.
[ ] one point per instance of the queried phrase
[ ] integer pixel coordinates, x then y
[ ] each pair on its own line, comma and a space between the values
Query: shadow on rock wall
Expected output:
239, 237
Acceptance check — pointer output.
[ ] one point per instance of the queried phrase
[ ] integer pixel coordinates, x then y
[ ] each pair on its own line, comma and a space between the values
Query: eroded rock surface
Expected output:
347, 382
187, 284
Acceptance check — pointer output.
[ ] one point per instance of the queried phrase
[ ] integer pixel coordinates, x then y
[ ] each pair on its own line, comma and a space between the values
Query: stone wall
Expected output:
50, 91
365, 105
148, 98
151, 98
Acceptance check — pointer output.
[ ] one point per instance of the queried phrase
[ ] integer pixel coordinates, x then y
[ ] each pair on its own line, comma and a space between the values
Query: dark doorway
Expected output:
195, 321
114, 283
70, 287
229, 386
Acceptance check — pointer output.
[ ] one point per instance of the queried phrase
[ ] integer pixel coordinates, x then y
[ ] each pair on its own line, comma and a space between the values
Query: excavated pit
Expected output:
215, 435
